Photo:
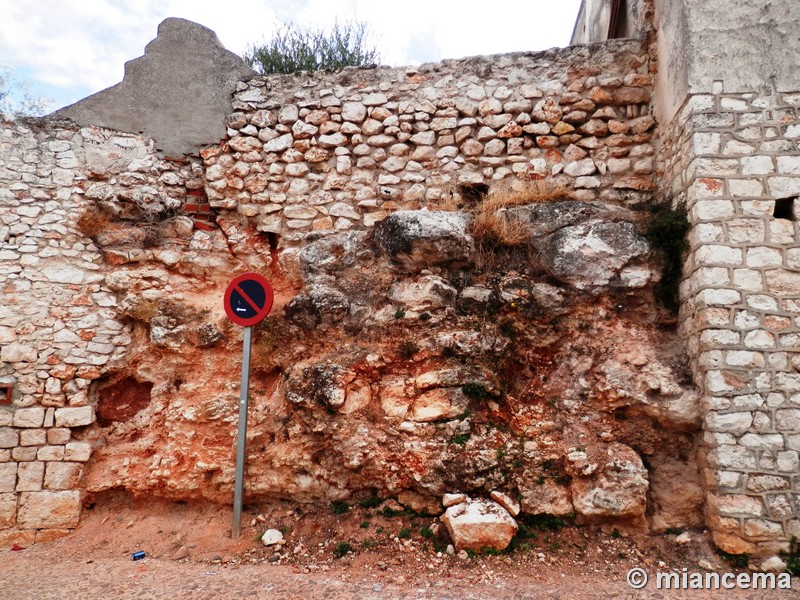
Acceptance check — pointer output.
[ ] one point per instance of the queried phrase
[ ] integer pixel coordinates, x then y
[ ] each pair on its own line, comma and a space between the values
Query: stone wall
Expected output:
734, 160
61, 324
114, 259
320, 152
97, 227
729, 125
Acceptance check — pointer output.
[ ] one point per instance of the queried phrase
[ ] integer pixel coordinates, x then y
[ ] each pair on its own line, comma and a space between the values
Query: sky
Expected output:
68, 49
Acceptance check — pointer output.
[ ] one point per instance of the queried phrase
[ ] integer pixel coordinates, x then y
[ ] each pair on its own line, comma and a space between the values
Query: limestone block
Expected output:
8, 477
764, 441
449, 500
718, 255
9, 438
78, 451
49, 510
62, 475
30, 476
617, 489
8, 510
506, 501
585, 166
788, 461
16, 352
24, 454
279, 144
761, 528
737, 422
744, 358
735, 505
759, 339
789, 165
29, 417
713, 210
58, 436
732, 457
74, 416
748, 280
763, 256
477, 524
713, 338
783, 282
590, 255
374, 99
428, 293
784, 187
787, 419
62, 272
50, 453
718, 297
32, 437
420, 239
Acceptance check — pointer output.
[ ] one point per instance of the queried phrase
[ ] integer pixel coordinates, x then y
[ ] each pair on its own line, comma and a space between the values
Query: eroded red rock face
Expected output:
121, 400
383, 371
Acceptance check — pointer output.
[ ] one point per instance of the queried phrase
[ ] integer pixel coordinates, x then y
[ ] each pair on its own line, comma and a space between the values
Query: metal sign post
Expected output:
248, 300
241, 439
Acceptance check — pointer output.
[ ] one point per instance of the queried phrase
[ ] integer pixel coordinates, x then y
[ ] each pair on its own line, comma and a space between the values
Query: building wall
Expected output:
594, 19
310, 155
729, 125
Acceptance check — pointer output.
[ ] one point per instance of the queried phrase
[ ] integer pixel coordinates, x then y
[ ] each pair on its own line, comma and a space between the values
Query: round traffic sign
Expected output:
248, 299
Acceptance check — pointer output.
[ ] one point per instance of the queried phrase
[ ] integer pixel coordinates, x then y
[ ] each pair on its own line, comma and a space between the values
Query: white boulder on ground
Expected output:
479, 524
271, 537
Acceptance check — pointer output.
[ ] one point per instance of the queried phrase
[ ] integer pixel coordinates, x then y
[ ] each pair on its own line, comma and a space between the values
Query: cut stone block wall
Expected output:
734, 160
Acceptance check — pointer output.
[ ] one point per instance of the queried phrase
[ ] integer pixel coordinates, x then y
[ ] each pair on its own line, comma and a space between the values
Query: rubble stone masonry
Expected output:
314, 153
311, 155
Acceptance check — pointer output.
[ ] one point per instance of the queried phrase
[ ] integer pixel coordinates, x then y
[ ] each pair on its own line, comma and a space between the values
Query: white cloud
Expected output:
83, 44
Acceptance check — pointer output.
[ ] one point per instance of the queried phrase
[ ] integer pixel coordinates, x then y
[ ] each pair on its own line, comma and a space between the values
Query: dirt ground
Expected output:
189, 553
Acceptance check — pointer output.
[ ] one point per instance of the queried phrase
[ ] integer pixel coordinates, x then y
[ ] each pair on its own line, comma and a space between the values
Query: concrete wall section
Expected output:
742, 43
178, 93
731, 47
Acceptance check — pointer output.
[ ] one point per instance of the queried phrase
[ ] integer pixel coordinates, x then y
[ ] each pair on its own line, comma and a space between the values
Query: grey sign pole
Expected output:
241, 440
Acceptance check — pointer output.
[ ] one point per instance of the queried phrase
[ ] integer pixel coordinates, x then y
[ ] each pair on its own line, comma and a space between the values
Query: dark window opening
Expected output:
5, 393
617, 24
784, 209
473, 192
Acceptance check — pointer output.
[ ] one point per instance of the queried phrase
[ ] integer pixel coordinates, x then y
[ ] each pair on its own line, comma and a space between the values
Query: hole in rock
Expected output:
273, 240
473, 192
121, 400
784, 209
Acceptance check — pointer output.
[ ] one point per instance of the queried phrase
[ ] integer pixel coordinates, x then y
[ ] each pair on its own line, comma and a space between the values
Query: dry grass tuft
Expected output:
449, 203
495, 228
491, 224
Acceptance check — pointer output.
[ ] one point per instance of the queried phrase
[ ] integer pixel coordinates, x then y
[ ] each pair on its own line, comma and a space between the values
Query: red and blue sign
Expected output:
248, 299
